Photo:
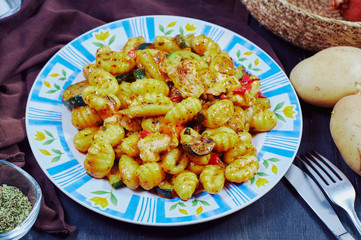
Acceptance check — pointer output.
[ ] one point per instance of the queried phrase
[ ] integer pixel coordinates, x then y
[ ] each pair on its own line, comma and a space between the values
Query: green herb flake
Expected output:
14, 207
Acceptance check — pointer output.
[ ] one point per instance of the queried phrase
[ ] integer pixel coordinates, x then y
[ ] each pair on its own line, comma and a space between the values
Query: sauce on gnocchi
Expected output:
175, 116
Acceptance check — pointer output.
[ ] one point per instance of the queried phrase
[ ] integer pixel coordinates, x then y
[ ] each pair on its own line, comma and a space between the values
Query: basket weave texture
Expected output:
309, 24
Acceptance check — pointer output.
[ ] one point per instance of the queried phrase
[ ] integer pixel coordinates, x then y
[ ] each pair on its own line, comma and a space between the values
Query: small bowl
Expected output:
13, 175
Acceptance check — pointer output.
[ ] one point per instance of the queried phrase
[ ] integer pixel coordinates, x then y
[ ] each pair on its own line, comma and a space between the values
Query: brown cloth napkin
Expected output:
29, 38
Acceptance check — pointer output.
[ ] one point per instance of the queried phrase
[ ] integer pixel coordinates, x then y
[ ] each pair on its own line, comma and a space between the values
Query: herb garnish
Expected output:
14, 207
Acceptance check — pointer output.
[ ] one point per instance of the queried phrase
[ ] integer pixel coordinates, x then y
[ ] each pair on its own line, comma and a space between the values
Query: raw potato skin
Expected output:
345, 126
329, 75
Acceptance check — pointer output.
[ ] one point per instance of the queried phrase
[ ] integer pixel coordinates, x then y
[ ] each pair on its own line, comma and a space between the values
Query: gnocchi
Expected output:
185, 184
150, 175
128, 171
175, 115
212, 178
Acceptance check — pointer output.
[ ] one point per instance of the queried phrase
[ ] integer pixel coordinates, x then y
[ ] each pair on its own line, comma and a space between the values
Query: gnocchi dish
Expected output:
174, 116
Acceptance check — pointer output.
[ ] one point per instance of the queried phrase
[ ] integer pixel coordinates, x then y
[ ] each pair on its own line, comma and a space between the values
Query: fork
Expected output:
334, 183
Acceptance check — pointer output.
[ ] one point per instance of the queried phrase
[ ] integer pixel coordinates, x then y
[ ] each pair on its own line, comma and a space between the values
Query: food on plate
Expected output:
329, 75
349, 9
345, 126
174, 116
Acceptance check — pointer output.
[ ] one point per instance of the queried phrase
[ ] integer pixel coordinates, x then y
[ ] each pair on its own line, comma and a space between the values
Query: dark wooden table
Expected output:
280, 214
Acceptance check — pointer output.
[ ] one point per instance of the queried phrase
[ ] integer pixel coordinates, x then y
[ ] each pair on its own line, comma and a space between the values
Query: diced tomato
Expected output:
176, 98
132, 54
223, 96
260, 95
172, 129
114, 66
246, 80
167, 129
144, 133
215, 160
246, 83
242, 89
175, 95
104, 113
108, 110
179, 128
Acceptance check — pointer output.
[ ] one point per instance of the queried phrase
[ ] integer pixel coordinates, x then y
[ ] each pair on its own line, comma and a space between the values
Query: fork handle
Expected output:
345, 236
355, 220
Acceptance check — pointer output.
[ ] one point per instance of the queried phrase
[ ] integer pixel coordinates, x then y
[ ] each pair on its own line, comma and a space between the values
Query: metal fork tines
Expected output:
334, 184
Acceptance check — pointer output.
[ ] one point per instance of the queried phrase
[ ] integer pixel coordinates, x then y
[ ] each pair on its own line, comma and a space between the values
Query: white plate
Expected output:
50, 132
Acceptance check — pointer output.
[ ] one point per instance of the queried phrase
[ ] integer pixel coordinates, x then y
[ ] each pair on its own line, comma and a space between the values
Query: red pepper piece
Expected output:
144, 133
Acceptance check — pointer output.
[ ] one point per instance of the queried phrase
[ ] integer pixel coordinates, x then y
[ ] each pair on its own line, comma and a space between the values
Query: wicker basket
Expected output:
309, 24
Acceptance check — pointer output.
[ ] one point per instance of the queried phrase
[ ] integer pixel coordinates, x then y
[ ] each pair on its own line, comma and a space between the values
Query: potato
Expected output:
327, 76
345, 126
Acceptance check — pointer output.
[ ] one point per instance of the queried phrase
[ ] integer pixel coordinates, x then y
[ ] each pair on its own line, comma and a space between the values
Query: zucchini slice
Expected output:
176, 56
182, 41
143, 46
196, 145
197, 122
131, 76
114, 177
72, 97
164, 190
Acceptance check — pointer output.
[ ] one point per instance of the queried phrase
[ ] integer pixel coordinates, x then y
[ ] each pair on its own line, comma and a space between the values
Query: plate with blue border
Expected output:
50, 132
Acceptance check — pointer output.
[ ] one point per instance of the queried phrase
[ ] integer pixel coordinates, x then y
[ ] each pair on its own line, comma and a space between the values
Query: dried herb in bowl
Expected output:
14, 207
